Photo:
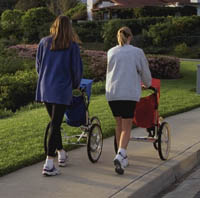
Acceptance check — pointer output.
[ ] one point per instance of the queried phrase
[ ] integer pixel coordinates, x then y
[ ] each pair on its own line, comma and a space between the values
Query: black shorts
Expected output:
123, 108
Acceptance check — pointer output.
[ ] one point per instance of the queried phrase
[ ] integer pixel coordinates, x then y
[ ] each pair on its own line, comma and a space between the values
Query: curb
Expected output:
159, 178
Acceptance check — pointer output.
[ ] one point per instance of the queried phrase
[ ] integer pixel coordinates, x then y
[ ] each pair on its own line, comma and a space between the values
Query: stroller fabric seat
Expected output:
76, 113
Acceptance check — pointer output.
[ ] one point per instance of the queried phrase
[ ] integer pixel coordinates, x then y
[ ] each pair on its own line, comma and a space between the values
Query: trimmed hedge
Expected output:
89, 31
10, 65
164, 67
157, 11
96, 64
17, 90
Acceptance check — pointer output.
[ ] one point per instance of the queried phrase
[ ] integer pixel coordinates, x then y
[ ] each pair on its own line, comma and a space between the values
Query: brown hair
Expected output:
123, 34
62, 33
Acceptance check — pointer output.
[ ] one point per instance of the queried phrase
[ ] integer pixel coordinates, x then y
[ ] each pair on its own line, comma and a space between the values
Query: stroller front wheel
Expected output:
95, 143
164, 141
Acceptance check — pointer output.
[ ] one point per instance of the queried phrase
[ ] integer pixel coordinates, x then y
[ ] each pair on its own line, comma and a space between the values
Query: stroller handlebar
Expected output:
154, 89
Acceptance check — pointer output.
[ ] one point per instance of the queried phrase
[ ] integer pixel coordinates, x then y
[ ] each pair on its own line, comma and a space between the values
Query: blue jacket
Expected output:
59, 72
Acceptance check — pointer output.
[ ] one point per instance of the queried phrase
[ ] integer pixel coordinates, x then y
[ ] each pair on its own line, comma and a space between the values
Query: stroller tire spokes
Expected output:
95, 143
164, 141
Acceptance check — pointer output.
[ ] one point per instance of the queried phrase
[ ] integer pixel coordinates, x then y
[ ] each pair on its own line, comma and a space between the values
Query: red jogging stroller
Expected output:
147, 116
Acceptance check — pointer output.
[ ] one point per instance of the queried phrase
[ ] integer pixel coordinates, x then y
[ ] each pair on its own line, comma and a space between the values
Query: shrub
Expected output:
164, 67
25, 50
23, 5
156, 11
136, 25
173, 30
79, 12
188, 11
96, 64
89, 31
1, 30
17, 90
181, 50
11, 23
36, 23
10, 63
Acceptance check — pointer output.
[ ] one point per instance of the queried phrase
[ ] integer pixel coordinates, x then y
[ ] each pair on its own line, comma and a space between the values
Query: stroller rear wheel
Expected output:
95, 143
164, 141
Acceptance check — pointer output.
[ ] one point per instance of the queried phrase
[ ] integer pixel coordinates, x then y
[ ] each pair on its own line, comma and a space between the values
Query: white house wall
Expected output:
106, 4
195, 1
90, 4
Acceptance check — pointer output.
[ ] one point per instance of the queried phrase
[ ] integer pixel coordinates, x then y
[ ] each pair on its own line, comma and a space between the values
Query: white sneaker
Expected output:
50, 172
125, 162
120, 163
63, 162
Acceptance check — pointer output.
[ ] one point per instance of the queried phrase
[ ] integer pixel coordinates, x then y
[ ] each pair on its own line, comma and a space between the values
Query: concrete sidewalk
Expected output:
146, 176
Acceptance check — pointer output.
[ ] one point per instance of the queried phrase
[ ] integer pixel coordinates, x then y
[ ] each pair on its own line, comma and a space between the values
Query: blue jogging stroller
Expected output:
77, 115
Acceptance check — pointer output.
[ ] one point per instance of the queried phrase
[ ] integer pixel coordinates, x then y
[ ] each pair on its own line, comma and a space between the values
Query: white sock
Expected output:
48, 163
61, 154
122, 151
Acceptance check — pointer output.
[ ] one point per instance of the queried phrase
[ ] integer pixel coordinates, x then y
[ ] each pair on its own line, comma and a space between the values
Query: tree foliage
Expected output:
79, 12
11, 22
24, 5
36, 23
60, 6
7, 4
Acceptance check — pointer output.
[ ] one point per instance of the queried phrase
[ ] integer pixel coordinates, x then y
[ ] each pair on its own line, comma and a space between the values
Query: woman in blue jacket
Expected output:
59, 69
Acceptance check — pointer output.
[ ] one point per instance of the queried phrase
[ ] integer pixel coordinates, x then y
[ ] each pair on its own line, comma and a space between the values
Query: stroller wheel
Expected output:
164, 141
95, 120
155, 145
95, 143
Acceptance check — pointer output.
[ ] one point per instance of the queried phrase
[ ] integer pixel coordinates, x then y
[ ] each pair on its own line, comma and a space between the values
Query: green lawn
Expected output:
21, 136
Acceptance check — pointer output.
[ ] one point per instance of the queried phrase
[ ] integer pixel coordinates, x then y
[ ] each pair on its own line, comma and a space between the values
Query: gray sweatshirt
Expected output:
127, 67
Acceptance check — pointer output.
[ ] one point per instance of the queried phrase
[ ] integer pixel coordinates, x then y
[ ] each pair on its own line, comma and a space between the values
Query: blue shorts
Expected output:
123, 108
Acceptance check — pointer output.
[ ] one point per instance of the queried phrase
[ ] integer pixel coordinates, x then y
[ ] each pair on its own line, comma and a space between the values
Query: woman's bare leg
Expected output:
118, 129
125, 133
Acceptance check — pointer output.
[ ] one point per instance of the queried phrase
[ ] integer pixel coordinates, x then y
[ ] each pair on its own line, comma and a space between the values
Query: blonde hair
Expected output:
123, 34
62, 33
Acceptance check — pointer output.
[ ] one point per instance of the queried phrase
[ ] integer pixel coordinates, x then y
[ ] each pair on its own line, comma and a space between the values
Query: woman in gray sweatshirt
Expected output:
127, 68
